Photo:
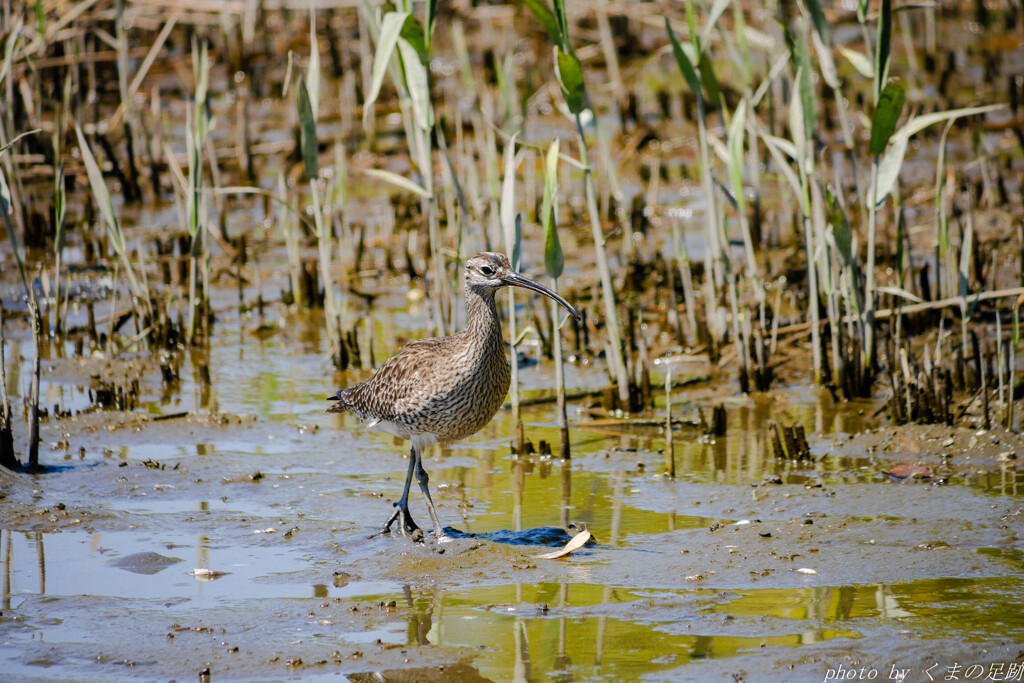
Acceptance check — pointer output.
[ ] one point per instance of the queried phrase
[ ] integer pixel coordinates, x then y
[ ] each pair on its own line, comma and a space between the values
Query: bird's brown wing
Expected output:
407, 382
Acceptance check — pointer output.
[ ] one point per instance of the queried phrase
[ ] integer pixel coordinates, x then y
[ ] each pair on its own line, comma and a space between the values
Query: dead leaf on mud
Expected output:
575, 543
914, 471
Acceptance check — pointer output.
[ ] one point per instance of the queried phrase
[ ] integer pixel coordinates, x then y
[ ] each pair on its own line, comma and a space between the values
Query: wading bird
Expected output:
440, 390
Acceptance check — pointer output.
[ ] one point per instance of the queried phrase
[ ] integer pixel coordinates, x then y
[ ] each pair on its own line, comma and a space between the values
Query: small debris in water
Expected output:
932, 545
206, 574
245, 478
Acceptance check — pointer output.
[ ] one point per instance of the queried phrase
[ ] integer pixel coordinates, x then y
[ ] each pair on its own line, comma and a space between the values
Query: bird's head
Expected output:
489, 271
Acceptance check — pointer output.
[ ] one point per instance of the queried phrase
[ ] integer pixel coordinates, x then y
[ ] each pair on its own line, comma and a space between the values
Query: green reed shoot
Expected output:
554, 264
714, 275
511, 224
196, 127
59, 207
101, 196
889, 100
307, 101
401, 33
569, 75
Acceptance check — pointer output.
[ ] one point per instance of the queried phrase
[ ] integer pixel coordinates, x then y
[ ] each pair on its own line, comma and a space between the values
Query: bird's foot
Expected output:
407, 527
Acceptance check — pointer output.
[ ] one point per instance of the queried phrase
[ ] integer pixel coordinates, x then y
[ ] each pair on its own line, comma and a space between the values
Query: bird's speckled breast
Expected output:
473, 399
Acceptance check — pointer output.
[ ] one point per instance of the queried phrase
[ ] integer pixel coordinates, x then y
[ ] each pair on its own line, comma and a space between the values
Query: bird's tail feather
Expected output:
340, 405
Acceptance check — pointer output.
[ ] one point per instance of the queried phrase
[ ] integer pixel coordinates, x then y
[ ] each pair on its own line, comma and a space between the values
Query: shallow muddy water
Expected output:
744, 565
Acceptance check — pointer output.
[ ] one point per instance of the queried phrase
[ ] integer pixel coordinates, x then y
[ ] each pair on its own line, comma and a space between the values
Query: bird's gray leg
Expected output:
424, 479
407, 526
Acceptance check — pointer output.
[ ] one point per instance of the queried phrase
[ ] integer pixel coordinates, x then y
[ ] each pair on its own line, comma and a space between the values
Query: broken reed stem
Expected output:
563, 422
517, 419
1014, 340
191, 330
683, 258
984, 364
812, 278
788, 443
323, 239
7, 458
885, 313
426, 164
670, 446
287, 224
999, 371
33, 406
740, 339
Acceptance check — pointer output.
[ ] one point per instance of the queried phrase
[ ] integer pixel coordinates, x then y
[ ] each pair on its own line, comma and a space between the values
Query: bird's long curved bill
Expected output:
517, 280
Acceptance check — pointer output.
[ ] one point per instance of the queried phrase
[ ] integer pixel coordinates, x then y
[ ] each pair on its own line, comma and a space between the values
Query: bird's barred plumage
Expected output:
448, 387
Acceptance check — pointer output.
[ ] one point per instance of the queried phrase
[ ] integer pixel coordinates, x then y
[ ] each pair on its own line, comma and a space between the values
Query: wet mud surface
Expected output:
889, 547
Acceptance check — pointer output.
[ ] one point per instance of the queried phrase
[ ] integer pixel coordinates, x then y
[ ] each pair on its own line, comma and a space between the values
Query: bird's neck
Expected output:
482, 321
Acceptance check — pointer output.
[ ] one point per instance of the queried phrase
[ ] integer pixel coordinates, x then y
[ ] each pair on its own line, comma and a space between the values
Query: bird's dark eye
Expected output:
487, 270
